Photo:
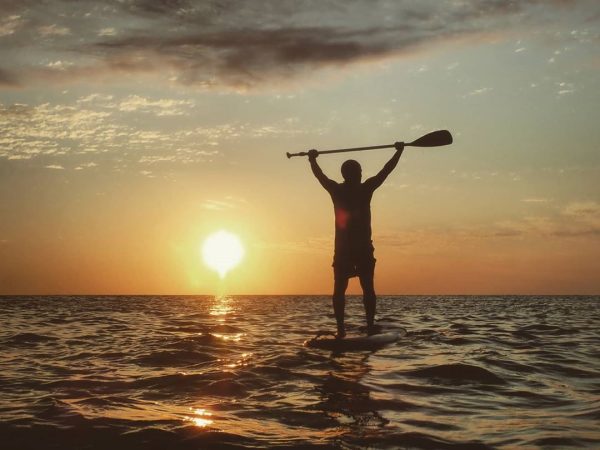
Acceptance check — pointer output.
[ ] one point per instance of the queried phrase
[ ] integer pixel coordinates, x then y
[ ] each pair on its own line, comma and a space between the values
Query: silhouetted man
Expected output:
353, 245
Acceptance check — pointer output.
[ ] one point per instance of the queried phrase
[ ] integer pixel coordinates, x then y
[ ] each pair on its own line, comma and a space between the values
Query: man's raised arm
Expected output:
316, 170
378, 179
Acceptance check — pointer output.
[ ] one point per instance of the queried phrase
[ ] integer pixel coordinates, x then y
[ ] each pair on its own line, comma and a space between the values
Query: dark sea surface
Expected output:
231, 372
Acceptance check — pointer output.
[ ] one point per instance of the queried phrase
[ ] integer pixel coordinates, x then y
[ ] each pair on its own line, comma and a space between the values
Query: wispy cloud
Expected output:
10, 24
227, 202
160, 107
53, 30
535, 200
94, 124
565, 88
78, 129
86, 165
320, 244
585, 210
575, 220
107, 32
95, 97
479, 91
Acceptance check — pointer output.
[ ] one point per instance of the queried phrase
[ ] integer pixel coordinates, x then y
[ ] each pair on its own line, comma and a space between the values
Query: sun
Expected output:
222, 251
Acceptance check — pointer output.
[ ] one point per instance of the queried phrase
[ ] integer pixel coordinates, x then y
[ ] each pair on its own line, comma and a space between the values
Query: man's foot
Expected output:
341, 334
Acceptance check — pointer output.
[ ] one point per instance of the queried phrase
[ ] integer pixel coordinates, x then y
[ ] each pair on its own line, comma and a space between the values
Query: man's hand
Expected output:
312, 154
399, 146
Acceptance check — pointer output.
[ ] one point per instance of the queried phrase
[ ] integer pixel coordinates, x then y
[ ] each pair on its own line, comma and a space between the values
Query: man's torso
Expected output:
352, 207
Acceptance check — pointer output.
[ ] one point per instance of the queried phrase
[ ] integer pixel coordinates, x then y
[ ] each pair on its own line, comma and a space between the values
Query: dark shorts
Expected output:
348, 265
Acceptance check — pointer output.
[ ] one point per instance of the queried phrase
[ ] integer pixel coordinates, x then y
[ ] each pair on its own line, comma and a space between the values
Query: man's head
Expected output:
351, 171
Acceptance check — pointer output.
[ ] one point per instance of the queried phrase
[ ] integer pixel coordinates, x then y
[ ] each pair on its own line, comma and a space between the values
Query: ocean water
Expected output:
231, 372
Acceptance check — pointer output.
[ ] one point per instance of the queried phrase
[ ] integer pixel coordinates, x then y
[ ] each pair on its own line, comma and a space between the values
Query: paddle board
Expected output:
372, 342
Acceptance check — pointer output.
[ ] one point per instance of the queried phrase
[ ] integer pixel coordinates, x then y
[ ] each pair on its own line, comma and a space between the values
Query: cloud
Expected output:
53, 30
313, 245
94, 124
160, 107
241, 45
535, 200
576, 220
228, 202
9, 25
95, 97
583, 210
59, 65
86, 165
478, 91
107, 32
82, 128
246, 57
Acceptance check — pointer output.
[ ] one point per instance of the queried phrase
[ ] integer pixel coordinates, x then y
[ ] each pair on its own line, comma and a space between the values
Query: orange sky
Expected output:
129, 136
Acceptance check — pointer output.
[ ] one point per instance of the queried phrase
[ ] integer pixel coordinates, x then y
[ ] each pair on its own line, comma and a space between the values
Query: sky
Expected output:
131, 130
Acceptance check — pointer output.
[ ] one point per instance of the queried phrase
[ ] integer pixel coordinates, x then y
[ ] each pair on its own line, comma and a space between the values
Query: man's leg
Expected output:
339, 302
369, 297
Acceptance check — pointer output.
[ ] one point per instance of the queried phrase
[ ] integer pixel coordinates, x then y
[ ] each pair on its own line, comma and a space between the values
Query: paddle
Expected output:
433, 139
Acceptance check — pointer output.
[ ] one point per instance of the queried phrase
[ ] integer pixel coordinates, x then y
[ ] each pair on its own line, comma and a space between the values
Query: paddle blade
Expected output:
433, 139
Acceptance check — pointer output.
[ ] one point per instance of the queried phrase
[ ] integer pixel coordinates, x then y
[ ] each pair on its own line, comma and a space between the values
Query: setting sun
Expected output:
222, 251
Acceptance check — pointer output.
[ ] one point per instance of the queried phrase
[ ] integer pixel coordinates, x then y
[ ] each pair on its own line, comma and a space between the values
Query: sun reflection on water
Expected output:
221, 307
229, 337
200, 418
241, 362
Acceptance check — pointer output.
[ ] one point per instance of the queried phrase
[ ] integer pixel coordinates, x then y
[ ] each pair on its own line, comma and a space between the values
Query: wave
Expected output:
513, 366
177, 358
419, 441
226, 388
550, 329
29, 339
458, 373
431, 425
459, 341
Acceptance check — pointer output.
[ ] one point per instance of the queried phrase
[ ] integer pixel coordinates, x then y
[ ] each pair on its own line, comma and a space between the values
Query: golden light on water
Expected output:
222, 251
200, 418
236, 337
221, 307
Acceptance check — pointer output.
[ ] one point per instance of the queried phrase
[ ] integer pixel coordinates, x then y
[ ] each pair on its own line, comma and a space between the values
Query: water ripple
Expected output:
231, 372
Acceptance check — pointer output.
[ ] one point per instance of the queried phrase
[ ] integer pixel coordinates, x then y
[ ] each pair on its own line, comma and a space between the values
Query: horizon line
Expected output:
302, 295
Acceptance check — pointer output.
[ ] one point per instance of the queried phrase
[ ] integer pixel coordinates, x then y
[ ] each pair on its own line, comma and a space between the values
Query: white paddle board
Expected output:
372, 342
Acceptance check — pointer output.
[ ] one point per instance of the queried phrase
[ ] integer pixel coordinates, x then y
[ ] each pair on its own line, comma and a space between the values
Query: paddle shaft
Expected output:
434, 139
343, 150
